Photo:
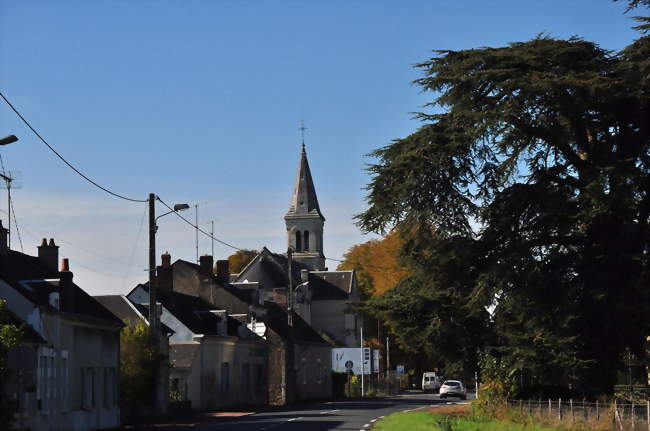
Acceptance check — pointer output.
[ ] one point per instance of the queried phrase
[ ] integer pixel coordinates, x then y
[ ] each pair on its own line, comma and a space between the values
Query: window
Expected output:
245, 378
65, 380
107, 389
298, 242
259, 376
306, 240
320, 371
225, 377
44, 387
87, 388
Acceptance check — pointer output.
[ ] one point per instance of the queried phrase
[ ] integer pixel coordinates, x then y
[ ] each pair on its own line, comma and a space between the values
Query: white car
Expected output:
453, 388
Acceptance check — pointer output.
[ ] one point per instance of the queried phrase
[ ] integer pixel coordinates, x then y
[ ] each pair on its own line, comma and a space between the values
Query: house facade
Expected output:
75, 362
216, 360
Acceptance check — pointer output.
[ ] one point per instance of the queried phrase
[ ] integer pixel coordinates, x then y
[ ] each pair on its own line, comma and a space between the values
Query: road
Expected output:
334, 415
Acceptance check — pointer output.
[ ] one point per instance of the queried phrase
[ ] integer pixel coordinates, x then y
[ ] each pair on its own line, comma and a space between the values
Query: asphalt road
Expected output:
334, 415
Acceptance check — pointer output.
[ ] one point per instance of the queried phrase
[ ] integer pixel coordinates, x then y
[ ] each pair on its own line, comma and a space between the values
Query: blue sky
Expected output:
200, 102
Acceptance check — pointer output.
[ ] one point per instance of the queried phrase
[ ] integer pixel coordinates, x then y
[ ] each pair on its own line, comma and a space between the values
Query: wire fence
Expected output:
595, 415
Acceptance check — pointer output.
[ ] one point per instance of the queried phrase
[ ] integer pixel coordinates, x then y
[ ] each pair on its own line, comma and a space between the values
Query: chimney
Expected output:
304, 275
223, 271
48, 254
66, 287
206, 263
165, 276
4, 247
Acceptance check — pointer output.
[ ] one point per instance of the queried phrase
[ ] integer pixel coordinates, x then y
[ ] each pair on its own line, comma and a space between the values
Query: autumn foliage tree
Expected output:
238, 260
376, 263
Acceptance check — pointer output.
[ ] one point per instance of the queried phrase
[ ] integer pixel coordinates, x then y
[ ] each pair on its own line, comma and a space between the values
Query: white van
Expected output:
431, 382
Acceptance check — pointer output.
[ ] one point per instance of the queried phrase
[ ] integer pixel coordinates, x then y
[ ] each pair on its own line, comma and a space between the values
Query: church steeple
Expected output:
304, 219
303, 198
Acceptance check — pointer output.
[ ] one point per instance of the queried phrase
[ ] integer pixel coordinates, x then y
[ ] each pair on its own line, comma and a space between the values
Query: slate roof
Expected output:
194, 313
127, 311
276, 318
274, 265
29, 276
181, 355
325, 285
331, 284
303, 198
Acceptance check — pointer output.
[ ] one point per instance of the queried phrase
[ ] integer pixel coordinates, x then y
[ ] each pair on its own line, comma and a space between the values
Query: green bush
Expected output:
138, 364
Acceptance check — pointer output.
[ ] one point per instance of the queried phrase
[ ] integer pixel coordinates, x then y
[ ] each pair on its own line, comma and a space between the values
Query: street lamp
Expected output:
6, 141
177, 208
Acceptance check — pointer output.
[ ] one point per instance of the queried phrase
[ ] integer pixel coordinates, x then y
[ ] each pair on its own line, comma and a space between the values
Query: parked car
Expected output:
431, 382
453, 388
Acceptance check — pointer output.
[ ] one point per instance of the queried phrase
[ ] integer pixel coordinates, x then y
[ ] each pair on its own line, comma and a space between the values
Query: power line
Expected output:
13, 211
198, 228
61, 157
135, 248
242, 249
36, 233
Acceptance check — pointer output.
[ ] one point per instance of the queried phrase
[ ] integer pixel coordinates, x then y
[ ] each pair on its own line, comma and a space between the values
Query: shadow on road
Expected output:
289, 416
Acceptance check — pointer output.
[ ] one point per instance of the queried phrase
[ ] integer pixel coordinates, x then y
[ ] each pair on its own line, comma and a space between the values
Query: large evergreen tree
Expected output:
540, 161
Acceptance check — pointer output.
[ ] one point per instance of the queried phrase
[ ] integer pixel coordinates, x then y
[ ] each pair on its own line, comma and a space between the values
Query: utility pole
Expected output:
153, 312
387, 355
290, 290
161, 381
290, 375
362, 361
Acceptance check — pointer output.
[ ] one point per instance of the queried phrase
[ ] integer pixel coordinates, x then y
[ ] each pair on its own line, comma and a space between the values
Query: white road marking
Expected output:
373, 420
366, 425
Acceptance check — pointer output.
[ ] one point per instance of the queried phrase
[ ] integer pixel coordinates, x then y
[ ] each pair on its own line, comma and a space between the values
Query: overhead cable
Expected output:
135, 248
61, 157
198, 228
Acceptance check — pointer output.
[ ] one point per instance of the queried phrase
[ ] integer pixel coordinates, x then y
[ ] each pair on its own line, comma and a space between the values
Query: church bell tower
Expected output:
304, 220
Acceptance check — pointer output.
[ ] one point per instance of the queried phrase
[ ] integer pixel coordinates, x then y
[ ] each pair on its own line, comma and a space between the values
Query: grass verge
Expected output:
449, 419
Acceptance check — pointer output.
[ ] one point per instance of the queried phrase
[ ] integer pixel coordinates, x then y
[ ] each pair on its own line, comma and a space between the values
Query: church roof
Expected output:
303, 198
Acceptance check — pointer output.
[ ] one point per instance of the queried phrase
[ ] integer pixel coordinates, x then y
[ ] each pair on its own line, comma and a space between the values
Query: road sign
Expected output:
401, 369
349, 365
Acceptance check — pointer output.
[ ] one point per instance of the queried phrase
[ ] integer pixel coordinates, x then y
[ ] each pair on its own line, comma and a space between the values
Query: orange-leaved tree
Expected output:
238, 260
377, 264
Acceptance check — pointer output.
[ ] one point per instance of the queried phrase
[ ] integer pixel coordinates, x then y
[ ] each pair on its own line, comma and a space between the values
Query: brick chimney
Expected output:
48, 254
206, 286
165, 276
206, 263
66, 287
223, 271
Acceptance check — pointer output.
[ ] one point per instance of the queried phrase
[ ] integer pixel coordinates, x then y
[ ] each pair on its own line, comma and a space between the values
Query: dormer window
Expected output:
55, 300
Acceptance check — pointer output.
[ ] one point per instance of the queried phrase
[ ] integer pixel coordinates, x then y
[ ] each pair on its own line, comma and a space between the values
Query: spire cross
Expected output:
302, 129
